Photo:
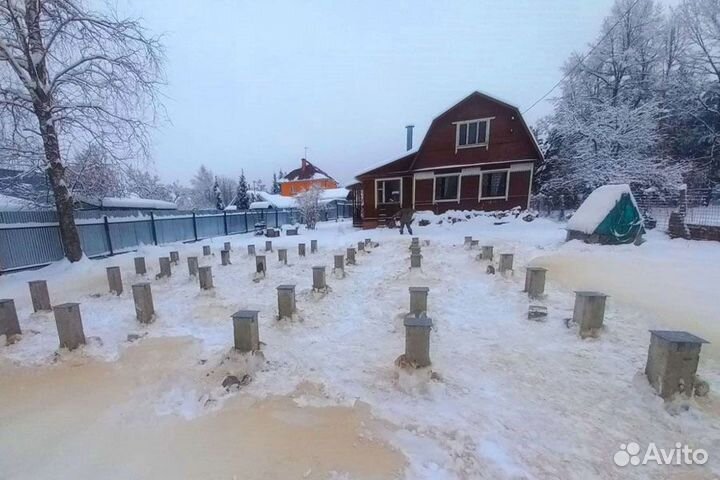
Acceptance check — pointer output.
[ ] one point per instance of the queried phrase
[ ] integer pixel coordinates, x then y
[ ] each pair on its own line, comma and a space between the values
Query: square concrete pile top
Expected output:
537, 269
286, 287
421, 320
419, 289
673, 336
583, 293
319, 267
66, 306
142, 284
246, 315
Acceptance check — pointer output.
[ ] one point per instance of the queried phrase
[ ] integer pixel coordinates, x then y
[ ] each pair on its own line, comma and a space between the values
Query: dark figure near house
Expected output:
405, 216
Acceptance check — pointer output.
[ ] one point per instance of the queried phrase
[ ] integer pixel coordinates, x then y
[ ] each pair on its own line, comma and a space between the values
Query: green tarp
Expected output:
622, 224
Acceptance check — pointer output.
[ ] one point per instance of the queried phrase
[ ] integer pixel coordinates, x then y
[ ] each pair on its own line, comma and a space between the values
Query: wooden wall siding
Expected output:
469, 194
407, 199
508, 138
369, 211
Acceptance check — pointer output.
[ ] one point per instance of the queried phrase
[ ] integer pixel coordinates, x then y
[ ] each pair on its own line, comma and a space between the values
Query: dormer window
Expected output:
472, 133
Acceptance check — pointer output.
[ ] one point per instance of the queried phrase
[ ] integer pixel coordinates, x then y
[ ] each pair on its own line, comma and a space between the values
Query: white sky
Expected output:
252, 83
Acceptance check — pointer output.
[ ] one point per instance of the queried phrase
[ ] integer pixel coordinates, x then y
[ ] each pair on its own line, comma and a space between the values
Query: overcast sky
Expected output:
251, 83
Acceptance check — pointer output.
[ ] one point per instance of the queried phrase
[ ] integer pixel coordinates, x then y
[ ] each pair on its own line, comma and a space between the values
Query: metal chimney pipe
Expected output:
409, 129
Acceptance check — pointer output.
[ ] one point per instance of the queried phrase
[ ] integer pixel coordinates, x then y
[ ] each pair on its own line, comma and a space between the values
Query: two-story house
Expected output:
304, 178
477, 155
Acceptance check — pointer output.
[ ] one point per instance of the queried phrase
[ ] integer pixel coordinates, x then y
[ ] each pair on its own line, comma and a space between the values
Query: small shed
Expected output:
609, 216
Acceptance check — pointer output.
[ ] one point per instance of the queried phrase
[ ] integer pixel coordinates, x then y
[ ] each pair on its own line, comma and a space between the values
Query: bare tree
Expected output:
69, 77
90, 174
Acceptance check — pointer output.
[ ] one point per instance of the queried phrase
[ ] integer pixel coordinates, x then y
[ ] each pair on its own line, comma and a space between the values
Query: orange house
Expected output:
304, 178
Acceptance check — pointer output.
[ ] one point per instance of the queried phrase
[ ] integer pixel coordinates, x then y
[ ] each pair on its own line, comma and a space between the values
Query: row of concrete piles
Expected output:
245, 322
673, 356
69, 320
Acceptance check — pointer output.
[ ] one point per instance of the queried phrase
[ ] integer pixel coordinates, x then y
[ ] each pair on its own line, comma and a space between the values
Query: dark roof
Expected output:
401, 165
406, 163
491, 99
307, 171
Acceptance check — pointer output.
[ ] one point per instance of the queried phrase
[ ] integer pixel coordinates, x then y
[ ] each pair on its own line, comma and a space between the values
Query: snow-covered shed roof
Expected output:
128, 203
271, 199
307, 171
331, 194
14, 204
596, 207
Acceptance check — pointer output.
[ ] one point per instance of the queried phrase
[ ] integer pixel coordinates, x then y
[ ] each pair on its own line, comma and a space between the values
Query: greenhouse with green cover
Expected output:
609, 215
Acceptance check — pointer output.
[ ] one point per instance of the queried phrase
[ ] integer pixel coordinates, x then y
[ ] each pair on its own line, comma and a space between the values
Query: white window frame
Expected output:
507, 184
485, 144
457, 197
377, 180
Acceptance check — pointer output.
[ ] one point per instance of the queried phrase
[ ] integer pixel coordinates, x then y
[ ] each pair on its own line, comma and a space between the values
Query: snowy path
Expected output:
513, 398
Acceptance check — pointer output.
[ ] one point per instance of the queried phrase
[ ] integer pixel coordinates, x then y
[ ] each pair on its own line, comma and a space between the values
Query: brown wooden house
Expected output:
477, 155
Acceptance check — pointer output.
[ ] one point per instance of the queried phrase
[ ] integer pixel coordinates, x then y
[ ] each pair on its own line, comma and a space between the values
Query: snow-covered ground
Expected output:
510, 398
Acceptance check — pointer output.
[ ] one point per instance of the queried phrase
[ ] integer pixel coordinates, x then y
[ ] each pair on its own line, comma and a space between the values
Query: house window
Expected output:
447, 187
473, 133
494, 184
388, 191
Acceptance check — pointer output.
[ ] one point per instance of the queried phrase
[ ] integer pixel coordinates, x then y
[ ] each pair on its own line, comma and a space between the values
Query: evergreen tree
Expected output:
219, 204
275, 185
242, 200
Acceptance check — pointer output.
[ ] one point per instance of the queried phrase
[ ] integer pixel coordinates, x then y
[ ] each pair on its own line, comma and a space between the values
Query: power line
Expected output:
582, 59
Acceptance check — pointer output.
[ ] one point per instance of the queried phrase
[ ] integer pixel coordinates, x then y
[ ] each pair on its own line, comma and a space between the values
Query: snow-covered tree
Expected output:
219, 203
71, 76
258, 185
182, 196
700, 20
143, 184
309, 206
275, 188
91, 174
202, 188
228, 187
607, 125
242, 200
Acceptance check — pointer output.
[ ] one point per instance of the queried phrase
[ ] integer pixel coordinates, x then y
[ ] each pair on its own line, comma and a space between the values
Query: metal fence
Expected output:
699, 206
32, 238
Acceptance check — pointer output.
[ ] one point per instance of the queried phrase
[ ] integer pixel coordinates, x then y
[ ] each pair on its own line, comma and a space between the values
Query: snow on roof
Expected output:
129, 202
260, 205
306, 171
272, 199
381, 164
335, 194
596, 207
14, 204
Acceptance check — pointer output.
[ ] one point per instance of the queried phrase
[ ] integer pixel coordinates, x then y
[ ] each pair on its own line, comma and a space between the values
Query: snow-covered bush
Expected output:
309, 206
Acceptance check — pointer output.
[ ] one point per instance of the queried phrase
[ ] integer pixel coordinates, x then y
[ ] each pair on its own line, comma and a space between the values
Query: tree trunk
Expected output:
42, 105
63, 199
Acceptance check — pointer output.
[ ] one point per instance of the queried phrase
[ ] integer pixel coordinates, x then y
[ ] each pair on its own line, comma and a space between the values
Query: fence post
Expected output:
154, 232
246, 226
277, 218
337, 212
195, 227
225, 221
107, 234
